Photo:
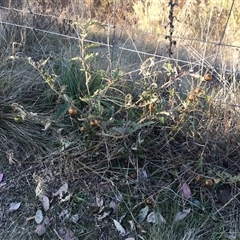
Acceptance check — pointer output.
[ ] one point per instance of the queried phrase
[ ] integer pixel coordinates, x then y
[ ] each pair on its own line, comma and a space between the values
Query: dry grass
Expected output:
137, 136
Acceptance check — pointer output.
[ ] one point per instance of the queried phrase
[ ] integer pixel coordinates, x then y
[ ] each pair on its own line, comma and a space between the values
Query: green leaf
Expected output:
92, 45
62, 110
67, 98
172, 92
90, 56
110, 112
92, 22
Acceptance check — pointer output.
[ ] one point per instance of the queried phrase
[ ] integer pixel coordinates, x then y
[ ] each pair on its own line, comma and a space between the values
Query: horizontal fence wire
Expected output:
160, 58
119, 27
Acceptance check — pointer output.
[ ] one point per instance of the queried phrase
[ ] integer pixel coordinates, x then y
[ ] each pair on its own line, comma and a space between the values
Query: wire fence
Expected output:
28, 19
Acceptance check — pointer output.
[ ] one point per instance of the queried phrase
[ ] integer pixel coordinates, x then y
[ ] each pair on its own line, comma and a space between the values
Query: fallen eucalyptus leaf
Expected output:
63, 189
181, 215
120, 228
99, 200
38, 216
118, 196
143, 213
144, 173
45, 203
40, 229
1, 177
113, 206
122, 217
14, 206
46, 221
154, 217
2, 184
186, 191
66, 234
